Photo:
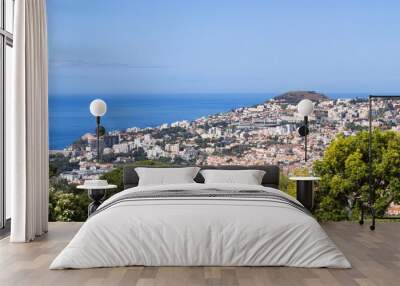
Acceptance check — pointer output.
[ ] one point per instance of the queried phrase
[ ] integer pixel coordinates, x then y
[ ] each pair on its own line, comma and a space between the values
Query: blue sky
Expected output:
178, 46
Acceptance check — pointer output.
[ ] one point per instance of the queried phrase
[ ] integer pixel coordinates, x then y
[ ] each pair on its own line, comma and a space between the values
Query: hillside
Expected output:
295, 97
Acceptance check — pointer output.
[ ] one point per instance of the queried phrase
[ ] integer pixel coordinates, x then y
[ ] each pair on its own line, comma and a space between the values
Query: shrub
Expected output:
68, 206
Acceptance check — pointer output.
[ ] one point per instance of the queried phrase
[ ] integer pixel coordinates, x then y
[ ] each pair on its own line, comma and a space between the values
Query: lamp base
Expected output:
97, 196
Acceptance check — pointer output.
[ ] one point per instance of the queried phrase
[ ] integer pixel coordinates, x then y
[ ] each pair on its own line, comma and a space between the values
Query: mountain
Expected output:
295, 97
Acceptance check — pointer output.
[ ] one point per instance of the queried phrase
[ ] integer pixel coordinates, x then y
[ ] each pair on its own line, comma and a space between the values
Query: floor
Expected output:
375, 257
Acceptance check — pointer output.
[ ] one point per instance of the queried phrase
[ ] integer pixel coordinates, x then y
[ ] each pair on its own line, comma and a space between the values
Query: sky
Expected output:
208, 46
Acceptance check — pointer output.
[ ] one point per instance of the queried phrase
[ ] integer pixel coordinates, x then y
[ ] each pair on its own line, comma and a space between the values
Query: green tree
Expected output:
344, 174
68, 206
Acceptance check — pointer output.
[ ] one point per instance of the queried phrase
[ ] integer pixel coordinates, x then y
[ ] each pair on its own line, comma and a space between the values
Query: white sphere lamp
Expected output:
305, 107
98, 107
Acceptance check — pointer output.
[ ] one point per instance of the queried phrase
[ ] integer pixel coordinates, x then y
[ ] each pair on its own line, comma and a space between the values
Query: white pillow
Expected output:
166, 176
248, 177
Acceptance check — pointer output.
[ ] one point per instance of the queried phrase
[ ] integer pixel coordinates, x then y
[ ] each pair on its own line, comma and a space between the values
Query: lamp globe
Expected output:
98, 107
305, 107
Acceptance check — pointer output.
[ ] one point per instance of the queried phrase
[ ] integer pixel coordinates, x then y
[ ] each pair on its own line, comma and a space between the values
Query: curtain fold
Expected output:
27, 122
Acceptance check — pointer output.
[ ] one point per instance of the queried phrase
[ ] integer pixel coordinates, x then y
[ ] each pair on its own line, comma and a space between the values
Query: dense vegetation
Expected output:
344, 173
343, 170
67, 203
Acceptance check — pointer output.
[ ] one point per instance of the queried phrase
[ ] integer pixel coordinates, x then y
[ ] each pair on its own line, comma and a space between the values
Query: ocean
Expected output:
69, 116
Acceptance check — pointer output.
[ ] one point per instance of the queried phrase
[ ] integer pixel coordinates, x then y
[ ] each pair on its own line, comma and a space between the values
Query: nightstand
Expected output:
304, 190
96, 194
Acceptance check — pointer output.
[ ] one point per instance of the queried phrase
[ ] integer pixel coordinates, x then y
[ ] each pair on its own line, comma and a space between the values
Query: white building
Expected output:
121, 148
155, 152
172, 148
147, 138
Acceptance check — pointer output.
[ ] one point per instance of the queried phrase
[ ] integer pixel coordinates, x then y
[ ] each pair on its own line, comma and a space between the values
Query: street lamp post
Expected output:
305, 108
98, 108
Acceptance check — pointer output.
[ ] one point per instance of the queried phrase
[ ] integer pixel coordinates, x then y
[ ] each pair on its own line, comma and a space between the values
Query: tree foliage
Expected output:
59, 163
68, 206
344, 174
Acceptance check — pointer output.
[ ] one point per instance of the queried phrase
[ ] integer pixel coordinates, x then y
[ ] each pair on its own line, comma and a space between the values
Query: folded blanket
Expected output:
205, 193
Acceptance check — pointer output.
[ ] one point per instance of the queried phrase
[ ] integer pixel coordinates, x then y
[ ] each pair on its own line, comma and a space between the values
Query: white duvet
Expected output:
200, 231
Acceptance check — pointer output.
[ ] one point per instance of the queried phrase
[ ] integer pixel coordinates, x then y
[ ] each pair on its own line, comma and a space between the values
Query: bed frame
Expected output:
270, 179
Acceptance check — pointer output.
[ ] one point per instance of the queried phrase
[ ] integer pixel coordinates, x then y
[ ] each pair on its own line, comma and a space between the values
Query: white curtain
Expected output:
27, 124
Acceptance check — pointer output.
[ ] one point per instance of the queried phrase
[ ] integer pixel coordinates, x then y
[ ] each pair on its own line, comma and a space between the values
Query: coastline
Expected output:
69, 116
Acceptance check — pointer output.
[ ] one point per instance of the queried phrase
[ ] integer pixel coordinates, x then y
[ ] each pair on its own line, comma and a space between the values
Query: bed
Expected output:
197, 224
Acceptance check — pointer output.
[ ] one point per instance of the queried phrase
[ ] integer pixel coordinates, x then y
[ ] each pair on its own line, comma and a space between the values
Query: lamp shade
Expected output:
305, 107
98, 107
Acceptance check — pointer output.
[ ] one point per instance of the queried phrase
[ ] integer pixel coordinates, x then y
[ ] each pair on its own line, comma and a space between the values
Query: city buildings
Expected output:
262, 134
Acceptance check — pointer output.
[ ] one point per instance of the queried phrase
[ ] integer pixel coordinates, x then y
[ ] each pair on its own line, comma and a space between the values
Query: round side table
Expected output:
96, 194
304, 190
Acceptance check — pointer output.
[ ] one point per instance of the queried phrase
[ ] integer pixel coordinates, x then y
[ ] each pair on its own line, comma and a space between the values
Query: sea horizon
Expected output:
70, 118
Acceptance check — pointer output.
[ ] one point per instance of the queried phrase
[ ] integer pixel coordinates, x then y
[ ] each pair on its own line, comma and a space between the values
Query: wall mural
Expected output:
218, 84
